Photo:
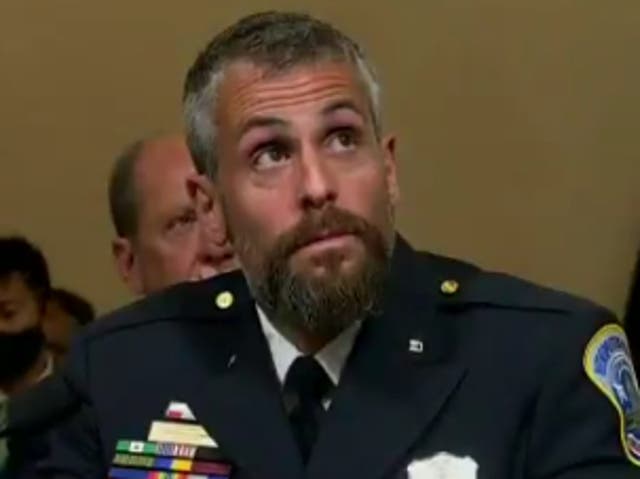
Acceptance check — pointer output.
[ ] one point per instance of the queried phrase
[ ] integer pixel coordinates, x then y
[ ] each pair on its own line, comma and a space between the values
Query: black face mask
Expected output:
18, 352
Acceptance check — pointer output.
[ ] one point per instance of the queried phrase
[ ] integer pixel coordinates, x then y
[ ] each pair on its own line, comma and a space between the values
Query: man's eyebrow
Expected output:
342, 105
182, 211
260, 122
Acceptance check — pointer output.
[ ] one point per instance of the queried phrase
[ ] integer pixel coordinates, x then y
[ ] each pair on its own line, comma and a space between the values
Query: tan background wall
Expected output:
518, 124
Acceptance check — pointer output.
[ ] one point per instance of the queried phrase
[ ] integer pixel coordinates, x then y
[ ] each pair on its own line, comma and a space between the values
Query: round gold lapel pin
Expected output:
449, 287
224, 300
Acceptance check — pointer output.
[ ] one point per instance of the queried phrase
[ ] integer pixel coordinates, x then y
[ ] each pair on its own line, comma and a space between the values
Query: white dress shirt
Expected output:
332, 357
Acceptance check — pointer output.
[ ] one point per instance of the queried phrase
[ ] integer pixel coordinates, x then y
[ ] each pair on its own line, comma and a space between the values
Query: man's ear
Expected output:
208, 207
201, 189
388, 144
126, 264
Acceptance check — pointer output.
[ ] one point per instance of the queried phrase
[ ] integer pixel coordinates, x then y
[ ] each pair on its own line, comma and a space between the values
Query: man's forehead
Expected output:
168, 145
163, 167
250, 89
13, 286
162, 153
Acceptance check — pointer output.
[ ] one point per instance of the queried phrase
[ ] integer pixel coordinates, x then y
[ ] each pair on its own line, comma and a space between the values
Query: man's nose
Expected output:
316, 180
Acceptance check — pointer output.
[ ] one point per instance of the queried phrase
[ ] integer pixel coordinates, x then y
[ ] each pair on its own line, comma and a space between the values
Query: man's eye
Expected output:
183, 221
271, 156
342, 140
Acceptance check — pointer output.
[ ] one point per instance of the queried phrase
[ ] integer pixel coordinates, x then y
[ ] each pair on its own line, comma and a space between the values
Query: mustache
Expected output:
331, 221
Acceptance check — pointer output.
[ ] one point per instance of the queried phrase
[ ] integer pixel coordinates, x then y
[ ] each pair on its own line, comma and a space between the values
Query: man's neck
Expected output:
32, 376
307, 342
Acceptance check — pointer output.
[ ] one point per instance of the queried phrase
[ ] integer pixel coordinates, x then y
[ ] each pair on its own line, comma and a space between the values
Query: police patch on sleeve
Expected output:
607, 362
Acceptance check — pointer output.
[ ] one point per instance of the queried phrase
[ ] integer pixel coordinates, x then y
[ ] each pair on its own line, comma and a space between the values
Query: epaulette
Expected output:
213, 298
443, 268
500, 290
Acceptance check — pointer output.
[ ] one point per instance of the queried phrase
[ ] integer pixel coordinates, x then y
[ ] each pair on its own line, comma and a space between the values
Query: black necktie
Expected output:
305, 386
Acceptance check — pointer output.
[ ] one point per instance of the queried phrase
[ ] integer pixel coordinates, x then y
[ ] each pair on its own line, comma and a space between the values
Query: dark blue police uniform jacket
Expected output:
24, 455
476, 373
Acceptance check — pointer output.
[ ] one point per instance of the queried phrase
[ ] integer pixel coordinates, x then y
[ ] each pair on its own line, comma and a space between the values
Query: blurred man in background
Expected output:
66, 314
24, 359
165, 233
24, 291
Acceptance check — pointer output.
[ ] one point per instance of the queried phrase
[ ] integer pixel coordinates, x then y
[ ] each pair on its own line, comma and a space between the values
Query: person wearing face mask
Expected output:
24, 290
24, 361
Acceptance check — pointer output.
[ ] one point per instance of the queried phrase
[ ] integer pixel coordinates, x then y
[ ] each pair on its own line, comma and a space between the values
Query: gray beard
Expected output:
318, 307
322, 308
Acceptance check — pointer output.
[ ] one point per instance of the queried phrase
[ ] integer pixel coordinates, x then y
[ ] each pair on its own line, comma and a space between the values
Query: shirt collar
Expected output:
332, 357
48, 369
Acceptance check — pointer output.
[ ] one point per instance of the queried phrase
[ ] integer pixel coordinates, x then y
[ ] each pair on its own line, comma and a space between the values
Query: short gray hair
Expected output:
277, 40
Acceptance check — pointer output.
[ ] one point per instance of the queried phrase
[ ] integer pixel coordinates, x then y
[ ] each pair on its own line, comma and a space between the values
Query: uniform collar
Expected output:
332, 357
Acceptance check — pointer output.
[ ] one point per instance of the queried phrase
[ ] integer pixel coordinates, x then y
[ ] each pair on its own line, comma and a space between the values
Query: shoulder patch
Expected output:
607, 362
